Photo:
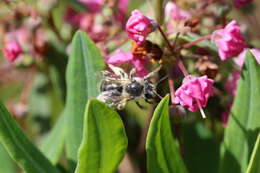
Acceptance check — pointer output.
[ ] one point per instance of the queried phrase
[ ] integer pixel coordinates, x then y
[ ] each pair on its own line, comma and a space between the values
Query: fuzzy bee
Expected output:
118, 87
148, 51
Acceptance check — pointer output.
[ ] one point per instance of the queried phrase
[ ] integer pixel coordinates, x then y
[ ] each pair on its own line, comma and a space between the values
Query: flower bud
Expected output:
139, 26
12, 50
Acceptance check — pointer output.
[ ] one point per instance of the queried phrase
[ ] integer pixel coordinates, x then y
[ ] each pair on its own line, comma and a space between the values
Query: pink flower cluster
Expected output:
12, 50
86, 20
241, 3
139, 26
121, 57
230, 41
194, 92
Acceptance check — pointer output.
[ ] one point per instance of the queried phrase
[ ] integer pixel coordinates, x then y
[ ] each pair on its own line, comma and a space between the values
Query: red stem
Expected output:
185, 46
182, 68
172, 90
171, 49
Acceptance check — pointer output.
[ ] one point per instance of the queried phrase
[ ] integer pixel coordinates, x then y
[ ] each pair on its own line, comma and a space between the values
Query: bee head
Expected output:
149, 90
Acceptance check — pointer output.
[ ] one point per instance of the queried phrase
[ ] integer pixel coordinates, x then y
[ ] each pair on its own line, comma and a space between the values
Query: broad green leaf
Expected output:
244, 121
7, 164
19, 147
254, 164
104, 140
84, 63
52, 145
163, 154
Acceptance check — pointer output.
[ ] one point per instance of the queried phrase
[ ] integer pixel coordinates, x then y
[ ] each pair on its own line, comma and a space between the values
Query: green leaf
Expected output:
163, 154
104, 140
201, 148
244, 121
254, 164
52, 145
7, 164
19, 147
84, 63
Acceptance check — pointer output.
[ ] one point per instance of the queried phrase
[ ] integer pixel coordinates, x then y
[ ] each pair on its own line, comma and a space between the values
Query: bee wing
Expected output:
118, 71
113, 99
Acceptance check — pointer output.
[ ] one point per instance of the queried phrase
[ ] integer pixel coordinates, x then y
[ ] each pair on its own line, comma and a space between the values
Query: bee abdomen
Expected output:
109, 87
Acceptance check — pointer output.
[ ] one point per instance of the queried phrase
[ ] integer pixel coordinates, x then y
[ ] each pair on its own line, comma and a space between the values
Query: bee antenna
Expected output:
162, 79
158, 95
153, 72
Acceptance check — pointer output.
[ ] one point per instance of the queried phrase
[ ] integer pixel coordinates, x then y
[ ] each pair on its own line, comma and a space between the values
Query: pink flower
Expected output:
139, 26
12, 50
231, 84
173, 11
194, 92
242, 56
241, 3
256, 53
93, 6
123, 5
121, 57
230, 41
73, 17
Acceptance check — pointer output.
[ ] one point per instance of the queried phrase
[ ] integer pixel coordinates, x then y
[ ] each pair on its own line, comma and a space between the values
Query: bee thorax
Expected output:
134, 89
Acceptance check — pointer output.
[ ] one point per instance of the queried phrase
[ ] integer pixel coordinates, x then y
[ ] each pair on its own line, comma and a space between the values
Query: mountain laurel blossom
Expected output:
194, 93
241, 3
230, 41
139, 26
12, 50
120, 57
174, 12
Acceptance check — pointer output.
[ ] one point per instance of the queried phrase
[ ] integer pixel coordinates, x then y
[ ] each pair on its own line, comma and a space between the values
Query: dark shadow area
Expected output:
200, 148
72, 165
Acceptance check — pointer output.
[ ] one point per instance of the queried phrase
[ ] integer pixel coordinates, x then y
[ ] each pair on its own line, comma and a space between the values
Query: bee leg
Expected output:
122, 104
153, 72
139, 105
148, 101
132, 72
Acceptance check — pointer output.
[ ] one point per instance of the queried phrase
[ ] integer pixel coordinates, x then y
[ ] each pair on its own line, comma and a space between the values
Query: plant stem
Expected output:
172, 50
182, 68
172, 91
185, 46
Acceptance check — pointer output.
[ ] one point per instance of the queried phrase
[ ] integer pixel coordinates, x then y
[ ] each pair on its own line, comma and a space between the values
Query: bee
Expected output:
148, 51
118, 87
